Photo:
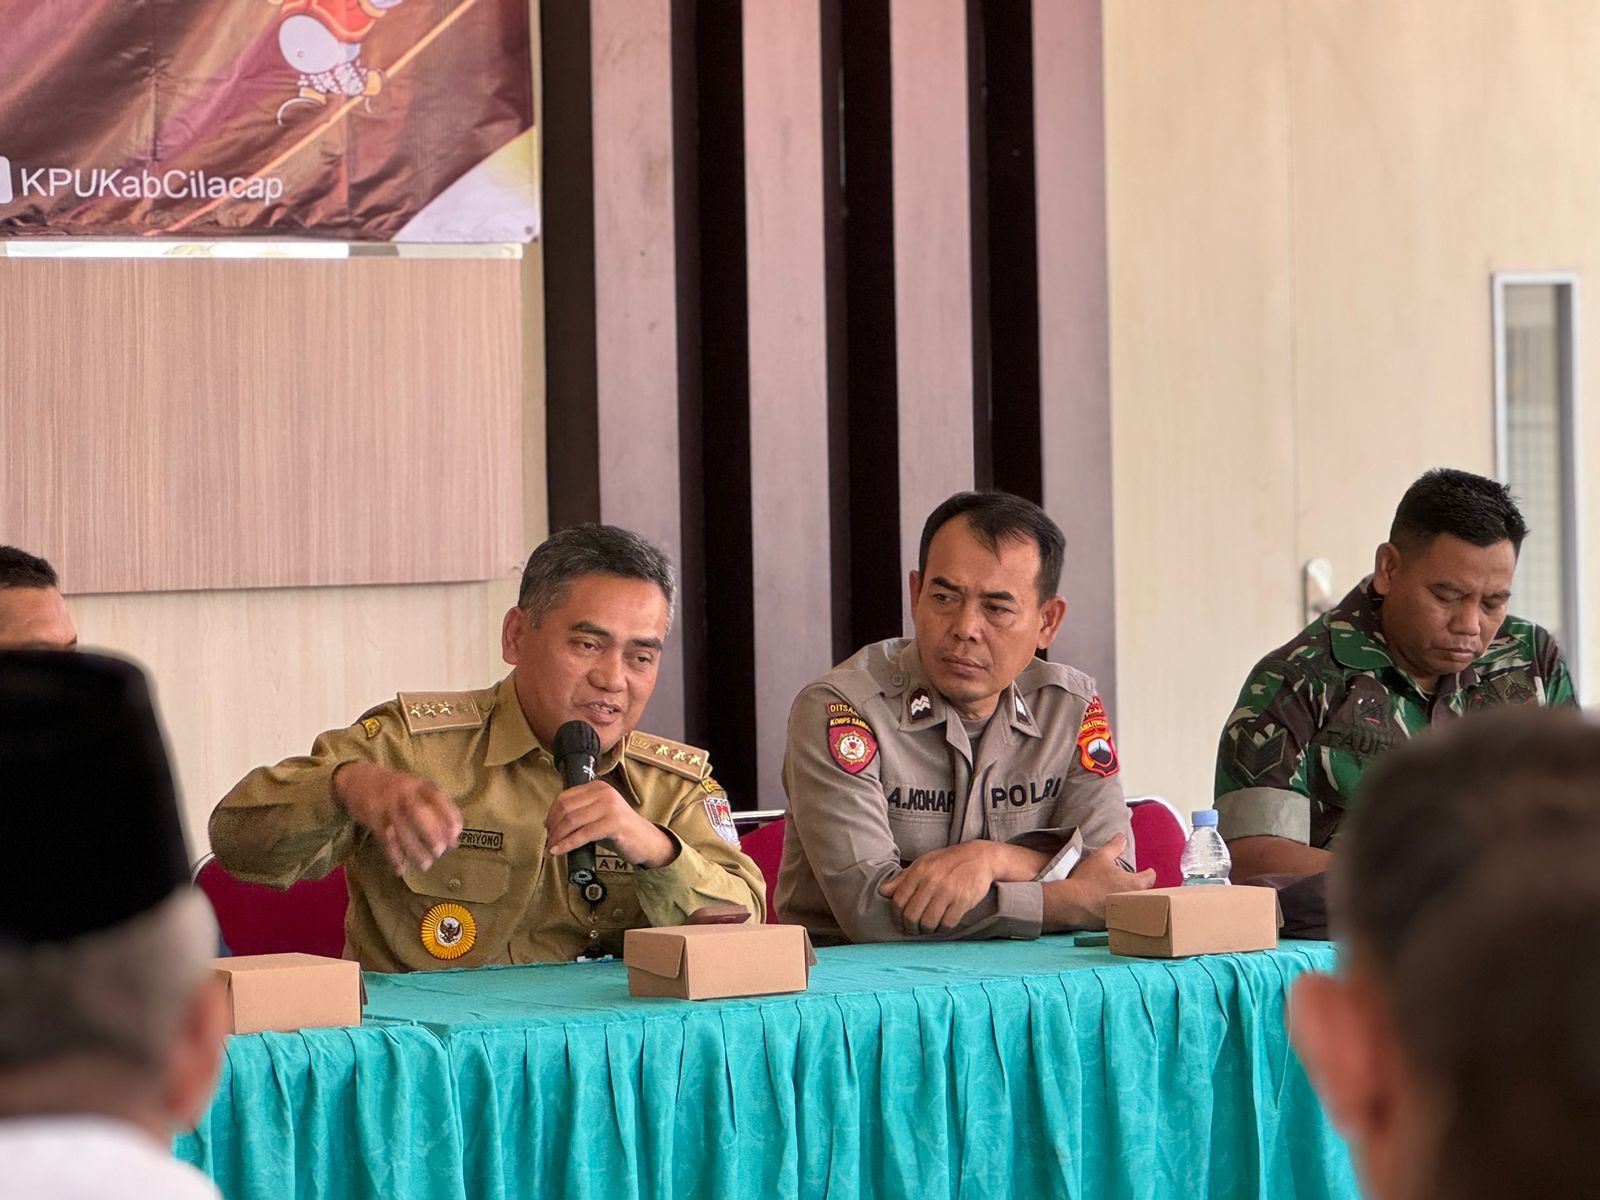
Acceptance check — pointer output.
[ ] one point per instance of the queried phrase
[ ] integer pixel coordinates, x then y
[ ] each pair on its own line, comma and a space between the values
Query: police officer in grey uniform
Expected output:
952, 785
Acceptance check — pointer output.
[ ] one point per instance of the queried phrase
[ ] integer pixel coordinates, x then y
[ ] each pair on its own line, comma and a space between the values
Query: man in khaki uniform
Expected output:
953, 785
449, 813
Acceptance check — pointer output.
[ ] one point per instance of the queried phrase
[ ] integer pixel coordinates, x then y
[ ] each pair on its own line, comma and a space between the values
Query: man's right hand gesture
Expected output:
412, 819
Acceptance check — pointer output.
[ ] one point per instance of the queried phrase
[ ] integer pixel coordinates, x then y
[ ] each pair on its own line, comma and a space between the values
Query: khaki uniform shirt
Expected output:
1316, 713
497, 897
879, 770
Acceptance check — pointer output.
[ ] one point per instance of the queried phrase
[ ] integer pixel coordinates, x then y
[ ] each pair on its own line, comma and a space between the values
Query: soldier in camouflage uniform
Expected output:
1424, 639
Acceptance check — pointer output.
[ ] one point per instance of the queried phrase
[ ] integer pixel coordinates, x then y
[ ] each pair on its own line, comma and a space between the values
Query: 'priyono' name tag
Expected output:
482, 839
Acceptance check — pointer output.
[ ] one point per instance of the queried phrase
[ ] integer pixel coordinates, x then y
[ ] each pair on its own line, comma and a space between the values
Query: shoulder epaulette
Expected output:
1041, 674
677, 757
434, 712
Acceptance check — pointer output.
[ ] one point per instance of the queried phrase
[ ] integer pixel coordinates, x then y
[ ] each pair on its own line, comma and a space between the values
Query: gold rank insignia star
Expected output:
663, 750
695, 760
437, 712
680, 756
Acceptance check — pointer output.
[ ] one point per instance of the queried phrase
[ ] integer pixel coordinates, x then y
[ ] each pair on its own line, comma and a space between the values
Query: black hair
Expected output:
996, 515
20, 569
590, 550
1479, 511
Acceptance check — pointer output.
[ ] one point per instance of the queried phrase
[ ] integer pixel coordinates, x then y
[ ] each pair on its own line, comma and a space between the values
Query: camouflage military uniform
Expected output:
1316, 712
497, 897
879, 769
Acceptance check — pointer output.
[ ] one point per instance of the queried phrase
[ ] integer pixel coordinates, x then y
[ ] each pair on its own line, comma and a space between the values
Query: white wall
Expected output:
1307, 200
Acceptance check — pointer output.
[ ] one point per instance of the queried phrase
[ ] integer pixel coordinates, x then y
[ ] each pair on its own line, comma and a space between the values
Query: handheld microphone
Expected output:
576, 749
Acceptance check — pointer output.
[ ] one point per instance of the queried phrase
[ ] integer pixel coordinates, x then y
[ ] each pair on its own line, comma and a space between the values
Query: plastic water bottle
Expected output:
1205, 857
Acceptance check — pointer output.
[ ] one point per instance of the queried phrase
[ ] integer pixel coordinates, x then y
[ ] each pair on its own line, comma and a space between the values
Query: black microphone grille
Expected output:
576, 738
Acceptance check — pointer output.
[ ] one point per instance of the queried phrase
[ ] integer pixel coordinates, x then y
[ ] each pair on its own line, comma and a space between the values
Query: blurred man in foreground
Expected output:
1456, 1050
111, 1021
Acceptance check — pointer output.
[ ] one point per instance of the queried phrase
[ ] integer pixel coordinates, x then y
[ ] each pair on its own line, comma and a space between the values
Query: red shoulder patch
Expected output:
849, 740
1096, 751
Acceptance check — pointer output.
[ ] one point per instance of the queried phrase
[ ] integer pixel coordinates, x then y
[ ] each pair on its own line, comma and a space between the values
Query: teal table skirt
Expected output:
1003, 1069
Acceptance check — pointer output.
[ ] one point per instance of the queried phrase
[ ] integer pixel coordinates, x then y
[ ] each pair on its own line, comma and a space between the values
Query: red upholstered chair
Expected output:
256, 919
1158, 838
764, 844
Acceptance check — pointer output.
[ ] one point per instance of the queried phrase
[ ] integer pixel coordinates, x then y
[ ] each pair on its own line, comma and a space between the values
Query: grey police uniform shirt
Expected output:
879, 770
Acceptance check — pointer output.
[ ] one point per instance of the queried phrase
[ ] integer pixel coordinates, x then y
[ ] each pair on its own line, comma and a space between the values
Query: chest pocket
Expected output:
1020, 807
1364, 725
462, 876
620, 909
919, 818
1512, 685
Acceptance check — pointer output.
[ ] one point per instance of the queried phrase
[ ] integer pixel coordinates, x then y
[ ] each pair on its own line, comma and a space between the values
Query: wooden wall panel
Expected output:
1074, 328
789, 453
635, 275
933, 258
180, 424
808, 223
870, 389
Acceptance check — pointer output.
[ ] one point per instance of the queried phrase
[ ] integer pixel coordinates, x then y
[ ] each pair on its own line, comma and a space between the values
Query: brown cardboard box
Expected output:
1175, 921
698, 962
285, 992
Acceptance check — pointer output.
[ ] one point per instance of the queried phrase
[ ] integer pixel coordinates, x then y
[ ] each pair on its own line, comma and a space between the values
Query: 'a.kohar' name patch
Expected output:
482, 839
916, 799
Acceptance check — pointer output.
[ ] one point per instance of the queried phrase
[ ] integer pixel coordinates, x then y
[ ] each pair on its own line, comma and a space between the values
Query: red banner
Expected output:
375, 120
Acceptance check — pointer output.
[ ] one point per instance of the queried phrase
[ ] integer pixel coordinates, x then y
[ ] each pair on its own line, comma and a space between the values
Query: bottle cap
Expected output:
1205, 816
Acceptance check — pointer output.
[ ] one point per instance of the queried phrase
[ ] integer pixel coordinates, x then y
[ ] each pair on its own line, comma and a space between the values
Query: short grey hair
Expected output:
591, 550
120, 992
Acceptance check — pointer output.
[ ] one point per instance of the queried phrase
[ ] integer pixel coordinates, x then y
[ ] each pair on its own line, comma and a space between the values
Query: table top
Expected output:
451, 1001
911, 1070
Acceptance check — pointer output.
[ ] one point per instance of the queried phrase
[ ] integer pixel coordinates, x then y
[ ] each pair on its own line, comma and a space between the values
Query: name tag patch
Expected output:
605, 860
916, 799
482, 839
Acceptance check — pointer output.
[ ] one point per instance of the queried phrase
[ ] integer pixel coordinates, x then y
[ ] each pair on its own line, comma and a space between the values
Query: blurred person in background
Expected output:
1457, 1048
111, 1019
